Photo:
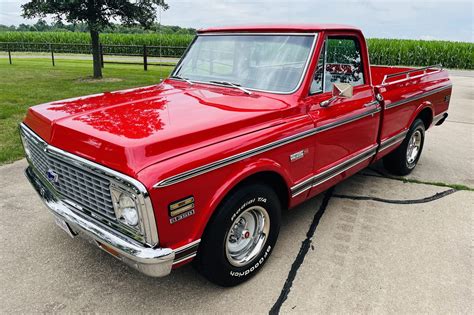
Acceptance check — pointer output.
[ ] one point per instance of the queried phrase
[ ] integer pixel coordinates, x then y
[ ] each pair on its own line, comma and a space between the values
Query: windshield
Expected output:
273, 63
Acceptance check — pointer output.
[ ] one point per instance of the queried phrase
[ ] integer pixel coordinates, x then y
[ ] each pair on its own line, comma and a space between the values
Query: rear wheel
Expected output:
241, 236
404, 159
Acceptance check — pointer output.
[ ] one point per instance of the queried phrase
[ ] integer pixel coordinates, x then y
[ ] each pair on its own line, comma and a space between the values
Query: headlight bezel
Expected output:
117, 192
26, 146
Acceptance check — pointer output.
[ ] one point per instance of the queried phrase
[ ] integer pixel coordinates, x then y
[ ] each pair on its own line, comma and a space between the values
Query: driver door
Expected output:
347, 128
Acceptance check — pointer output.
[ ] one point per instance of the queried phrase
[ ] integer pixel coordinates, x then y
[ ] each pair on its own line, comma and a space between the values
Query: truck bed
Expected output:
406, 93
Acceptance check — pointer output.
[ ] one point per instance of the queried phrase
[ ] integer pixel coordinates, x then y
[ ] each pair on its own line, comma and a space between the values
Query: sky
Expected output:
414, 19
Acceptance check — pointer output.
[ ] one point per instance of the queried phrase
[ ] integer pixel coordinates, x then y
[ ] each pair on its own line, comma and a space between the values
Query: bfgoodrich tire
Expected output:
404, 159
241, 235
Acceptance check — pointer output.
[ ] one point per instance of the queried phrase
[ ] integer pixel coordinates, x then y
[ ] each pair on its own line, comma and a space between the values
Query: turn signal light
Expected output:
109, 249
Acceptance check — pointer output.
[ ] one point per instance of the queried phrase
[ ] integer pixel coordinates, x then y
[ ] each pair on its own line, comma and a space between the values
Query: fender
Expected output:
245, 170
419, 109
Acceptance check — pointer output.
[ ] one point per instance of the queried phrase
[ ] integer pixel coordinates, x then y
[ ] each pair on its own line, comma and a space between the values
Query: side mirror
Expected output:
339, 90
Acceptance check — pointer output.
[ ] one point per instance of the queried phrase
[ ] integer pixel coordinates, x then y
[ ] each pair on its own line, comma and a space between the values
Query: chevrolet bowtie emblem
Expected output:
53, 177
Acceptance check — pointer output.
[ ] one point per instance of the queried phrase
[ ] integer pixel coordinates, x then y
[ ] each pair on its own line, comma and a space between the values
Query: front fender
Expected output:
243, 171
209, 190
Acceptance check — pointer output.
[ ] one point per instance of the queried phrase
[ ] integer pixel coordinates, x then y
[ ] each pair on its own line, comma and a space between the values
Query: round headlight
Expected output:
128, 210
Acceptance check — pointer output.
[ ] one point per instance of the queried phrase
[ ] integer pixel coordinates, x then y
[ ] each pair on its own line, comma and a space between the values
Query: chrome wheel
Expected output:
247, 236
414, 147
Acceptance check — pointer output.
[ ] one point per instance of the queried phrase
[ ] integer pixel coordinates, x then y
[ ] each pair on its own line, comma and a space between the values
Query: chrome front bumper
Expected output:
155, 262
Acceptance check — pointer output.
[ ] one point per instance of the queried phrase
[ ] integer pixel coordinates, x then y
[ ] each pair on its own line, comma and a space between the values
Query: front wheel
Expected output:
241, 236
404, 159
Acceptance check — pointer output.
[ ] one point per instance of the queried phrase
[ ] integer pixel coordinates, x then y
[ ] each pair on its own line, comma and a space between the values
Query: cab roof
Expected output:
280, 28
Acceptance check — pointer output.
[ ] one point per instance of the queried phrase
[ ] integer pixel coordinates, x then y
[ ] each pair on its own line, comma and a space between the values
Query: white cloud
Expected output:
441, 19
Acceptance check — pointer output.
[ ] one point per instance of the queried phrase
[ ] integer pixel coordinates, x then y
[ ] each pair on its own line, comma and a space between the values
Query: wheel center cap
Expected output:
245, 234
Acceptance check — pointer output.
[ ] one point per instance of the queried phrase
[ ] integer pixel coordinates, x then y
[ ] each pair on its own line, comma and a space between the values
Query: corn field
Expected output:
106, 39
404, 52
459, 55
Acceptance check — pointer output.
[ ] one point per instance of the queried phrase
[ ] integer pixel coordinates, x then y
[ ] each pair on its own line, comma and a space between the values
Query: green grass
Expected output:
440, 184
33, 81
383, 173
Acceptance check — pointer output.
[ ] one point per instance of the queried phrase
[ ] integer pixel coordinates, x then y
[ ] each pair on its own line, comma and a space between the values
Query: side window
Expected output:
317, 84
340, 61
343, 62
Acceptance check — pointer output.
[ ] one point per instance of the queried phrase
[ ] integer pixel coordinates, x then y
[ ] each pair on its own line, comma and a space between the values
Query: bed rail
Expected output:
408, 73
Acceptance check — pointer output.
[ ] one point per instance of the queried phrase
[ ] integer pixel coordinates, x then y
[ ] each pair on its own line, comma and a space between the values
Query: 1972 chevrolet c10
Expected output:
252, 121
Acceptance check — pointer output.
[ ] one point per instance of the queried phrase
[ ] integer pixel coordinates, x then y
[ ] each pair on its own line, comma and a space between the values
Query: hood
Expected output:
131, 129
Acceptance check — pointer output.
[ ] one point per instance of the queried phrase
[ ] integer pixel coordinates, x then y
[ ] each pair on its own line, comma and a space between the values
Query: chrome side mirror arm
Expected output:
327, 102
339, 90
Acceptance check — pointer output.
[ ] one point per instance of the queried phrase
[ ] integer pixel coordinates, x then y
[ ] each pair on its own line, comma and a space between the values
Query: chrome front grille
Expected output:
86, 186
78, 185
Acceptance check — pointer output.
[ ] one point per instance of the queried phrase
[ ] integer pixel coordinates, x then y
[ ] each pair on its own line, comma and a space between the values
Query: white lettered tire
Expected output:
240, 236
403, 160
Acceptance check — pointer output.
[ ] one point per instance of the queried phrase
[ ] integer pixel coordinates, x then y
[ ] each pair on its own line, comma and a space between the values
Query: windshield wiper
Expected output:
234, 85
181, 78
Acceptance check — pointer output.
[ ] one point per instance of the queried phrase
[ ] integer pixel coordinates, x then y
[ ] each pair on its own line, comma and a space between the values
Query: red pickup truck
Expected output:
252, 121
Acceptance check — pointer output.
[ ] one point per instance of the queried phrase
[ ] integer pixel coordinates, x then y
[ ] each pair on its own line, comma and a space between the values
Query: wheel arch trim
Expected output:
423, 107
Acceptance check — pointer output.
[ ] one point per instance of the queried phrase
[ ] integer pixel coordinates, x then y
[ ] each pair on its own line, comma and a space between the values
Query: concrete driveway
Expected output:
371, 245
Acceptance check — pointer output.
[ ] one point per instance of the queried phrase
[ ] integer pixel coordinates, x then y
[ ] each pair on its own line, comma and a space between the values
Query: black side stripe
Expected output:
417, 97
322, 177
392, 141
238, 157
270, 146
186, 252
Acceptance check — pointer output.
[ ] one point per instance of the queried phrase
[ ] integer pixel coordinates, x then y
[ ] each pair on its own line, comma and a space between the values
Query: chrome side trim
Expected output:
387, 143
270, 146
187, 246
371, 103
328, 174
303, 74
417, 97
149, 223
186, 252
348, 120
179, 260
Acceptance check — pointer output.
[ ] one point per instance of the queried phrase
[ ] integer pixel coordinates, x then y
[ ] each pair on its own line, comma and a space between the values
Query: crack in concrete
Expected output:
305, 246
401, 202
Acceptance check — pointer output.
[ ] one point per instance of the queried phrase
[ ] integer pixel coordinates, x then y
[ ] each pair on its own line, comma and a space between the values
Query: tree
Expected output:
97, 14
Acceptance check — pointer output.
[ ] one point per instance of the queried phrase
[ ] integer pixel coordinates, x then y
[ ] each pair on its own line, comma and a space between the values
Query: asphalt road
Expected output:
371, 245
